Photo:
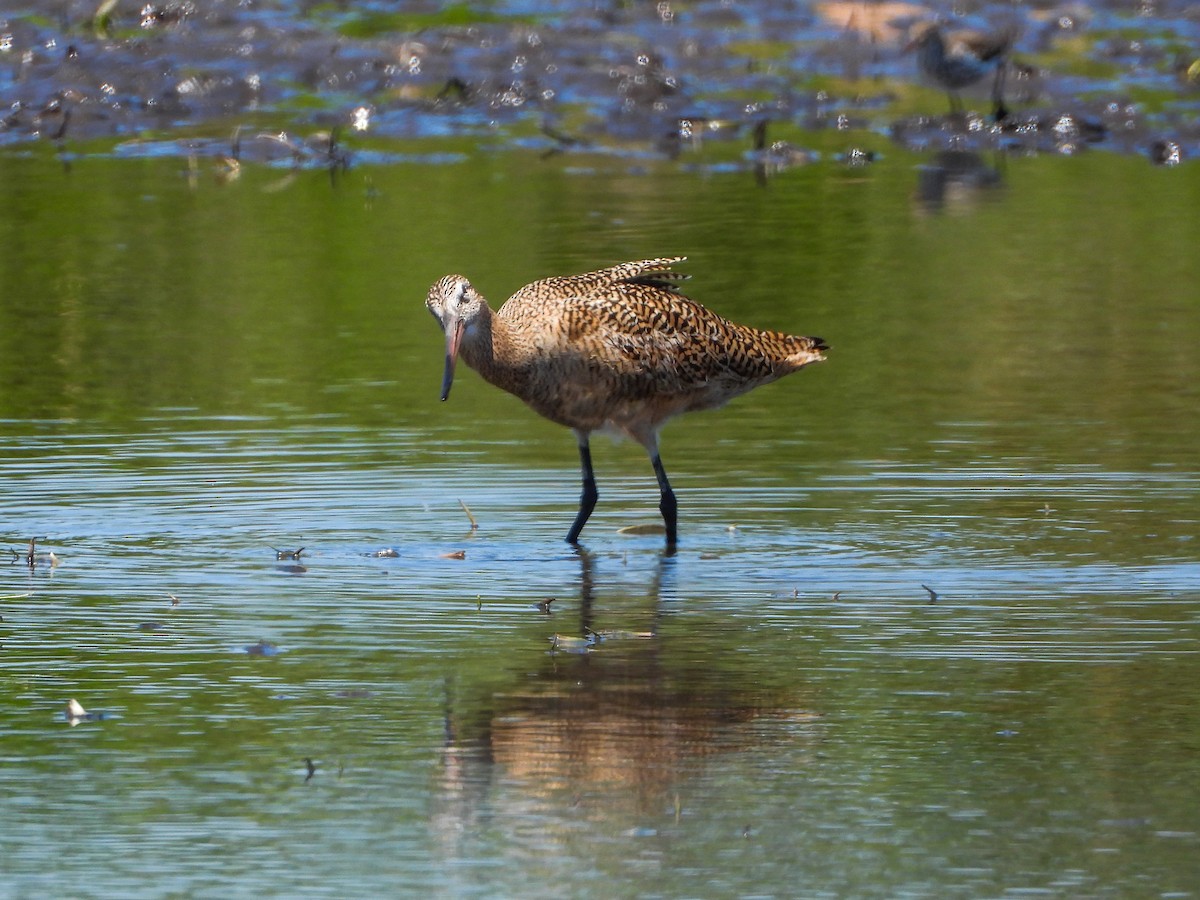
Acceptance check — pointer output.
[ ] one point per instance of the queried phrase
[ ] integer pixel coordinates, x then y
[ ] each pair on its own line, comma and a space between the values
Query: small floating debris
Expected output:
454, 554
354, 694
932, 593
385, 553
153, 627
857, 157
75, 713
288, 554
836, 596
1166, 153
641, 831
174, 599
544, 605
616, 634
263, 648
226, 168
778, 156
565, 643
646, 528
32, 558
311, 767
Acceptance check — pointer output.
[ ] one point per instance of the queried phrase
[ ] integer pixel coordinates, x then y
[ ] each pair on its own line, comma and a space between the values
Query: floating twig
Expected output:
643, 528
467, 510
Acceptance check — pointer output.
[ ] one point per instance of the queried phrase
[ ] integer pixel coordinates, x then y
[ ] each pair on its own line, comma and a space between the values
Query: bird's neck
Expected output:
492, 350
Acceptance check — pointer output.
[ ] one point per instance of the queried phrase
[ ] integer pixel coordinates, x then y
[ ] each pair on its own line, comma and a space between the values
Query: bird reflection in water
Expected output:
956, 180
608, 733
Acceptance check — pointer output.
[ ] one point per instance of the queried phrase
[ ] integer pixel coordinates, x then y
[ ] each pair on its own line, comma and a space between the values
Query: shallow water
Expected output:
197, 371
776, 703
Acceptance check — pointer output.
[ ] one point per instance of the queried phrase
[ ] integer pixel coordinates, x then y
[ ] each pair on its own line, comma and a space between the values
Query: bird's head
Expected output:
458, 307
921, 35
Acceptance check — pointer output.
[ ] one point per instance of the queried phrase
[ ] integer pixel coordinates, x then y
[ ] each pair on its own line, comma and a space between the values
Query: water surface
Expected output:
195, 372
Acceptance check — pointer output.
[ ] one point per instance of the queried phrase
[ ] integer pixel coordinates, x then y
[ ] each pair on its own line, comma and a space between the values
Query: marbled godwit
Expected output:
617, 349
958, 59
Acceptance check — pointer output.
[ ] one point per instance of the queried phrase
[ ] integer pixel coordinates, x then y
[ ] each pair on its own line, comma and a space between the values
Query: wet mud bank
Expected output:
320, 84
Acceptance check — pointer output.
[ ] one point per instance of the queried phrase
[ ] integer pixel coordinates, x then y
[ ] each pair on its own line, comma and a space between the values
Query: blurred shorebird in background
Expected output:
958, 59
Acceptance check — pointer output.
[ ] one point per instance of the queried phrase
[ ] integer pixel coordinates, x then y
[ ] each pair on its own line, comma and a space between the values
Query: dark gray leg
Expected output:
589, 496
956, 107
1001, 111
666, 504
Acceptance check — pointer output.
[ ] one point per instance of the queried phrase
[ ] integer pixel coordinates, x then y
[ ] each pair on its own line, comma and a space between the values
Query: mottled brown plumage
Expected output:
619, 348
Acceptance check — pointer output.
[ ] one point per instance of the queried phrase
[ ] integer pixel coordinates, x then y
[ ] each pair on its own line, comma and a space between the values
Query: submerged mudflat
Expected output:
312, 83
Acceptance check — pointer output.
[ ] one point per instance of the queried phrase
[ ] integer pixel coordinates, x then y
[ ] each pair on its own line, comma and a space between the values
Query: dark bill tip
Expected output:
448, 376
454, 335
